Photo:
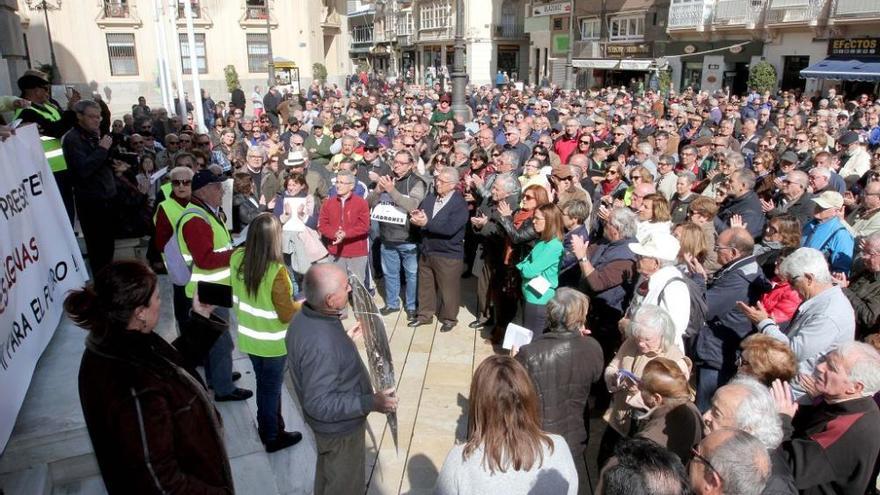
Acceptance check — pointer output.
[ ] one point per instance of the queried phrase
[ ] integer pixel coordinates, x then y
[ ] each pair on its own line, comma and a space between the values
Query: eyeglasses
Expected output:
719, 247
529, 197
696, 455
410, 145
180, 182
203, 143
583, 142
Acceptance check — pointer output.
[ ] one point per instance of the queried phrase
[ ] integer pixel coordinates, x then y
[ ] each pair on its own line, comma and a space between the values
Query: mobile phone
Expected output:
215, 294
69, 91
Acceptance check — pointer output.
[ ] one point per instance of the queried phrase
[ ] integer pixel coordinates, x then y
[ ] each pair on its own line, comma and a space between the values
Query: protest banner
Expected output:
40, 262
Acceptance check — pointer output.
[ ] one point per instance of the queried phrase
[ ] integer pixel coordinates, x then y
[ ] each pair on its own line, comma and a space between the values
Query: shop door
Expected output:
691, 75
791, 72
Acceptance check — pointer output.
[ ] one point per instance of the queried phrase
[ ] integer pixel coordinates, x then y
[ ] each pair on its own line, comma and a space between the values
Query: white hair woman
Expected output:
650, 334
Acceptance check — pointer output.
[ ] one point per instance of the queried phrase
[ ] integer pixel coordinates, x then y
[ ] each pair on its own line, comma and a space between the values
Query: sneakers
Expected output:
236, 395
283, 440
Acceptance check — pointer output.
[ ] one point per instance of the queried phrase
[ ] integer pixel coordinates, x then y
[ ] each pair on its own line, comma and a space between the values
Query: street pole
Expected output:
269, 46
161, 56
199, 119
181, 98
458, 70
569, 70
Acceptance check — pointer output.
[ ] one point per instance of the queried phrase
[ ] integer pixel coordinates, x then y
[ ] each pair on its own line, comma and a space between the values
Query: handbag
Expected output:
305, 249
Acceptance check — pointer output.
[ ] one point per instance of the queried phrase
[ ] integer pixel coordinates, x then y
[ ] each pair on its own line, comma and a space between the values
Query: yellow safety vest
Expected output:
51, 146
260, 332
222, 242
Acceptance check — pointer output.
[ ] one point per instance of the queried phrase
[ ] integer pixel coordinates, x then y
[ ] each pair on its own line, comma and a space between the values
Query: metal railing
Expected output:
117, 10
686, 15
869, 8
795, 11
738, 12
257, 13
509, 30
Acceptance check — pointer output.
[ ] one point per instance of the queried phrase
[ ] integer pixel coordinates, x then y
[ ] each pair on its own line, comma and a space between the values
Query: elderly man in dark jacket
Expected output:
563, 364
332, 382
863, 289
742, 201
441, 218
91, 172
740, 278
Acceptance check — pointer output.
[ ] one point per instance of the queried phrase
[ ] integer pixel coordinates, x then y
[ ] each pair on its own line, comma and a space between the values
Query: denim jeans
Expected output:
392, 256
708, 381
269, 372
218, 369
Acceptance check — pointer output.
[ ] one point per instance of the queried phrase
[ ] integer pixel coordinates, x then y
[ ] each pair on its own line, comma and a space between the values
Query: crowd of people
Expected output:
700, 269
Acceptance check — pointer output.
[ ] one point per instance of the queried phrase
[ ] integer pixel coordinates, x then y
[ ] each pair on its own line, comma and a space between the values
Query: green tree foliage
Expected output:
231, 78
319, 72
762, 77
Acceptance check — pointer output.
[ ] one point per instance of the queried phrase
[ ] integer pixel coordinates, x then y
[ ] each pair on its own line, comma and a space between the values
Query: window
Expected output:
123, 55
629, 27
258, 52
591, 28
257, 10
201, 54
194, 8
435, 15
116, 8
405, 23
362, 34
391, 23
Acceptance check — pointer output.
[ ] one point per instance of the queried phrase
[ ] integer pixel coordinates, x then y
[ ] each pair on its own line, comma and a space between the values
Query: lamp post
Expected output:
569, 70
45, 6
269, 47
458, 70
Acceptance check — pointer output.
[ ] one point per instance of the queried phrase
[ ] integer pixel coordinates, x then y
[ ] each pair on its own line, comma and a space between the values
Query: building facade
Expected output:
718, 40
612, 43
414, 39
112, 46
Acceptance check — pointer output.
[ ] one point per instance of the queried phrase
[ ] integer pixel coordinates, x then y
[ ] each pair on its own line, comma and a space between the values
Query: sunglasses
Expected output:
528, 196
180, 182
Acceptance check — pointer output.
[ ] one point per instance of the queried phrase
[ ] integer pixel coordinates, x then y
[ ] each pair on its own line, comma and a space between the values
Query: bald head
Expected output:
738, 239
326, 287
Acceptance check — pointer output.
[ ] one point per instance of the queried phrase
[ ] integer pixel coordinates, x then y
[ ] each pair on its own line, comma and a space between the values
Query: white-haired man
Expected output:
746, 404
834, 444
729, 462
823, 321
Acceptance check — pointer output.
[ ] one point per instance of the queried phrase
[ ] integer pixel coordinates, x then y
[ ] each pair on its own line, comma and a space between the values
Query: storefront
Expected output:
855, 62
726, 65
624, 64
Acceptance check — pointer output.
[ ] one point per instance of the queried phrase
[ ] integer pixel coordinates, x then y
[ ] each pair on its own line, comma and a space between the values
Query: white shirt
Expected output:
676, 299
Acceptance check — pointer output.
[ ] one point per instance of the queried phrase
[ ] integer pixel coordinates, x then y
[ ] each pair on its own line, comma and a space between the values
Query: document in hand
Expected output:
516, 336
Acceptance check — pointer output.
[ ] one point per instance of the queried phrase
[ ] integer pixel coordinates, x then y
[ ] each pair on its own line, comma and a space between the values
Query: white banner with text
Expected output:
40, 262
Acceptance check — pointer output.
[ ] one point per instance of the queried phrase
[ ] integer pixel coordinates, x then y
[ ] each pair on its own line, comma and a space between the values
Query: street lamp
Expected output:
45, 7
458, 70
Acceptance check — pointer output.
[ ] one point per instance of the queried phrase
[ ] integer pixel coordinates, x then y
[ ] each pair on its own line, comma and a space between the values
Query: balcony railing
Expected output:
257, 13
115, 10
686, 15
738, 12
444, 33
795, 11
509, 30
196, 10
866, 8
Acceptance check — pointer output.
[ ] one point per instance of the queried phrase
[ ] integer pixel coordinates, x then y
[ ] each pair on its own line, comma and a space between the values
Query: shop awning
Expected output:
610, 63
845, 69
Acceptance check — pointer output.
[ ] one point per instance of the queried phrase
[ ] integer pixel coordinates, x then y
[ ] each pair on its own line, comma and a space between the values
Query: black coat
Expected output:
563, 367
151, 422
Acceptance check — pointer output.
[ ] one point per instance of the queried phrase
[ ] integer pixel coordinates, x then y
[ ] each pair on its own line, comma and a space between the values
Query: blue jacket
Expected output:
833, 239
725, 327
443, 235
615, 298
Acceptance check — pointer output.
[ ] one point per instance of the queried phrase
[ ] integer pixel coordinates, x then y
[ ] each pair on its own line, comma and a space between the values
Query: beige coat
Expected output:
628, 357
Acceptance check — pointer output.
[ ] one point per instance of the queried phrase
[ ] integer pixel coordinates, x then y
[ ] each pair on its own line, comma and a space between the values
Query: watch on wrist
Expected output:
583, 259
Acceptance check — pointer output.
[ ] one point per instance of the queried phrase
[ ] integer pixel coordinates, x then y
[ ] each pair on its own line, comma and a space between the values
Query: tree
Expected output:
319, 72
231, 78
762, 77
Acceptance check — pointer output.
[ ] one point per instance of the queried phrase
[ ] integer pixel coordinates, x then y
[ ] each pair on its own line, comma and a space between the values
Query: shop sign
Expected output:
854, 46
627, 50
551, 9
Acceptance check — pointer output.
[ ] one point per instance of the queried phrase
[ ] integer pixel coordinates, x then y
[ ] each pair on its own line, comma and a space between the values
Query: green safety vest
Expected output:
51, 146
222, 242
166, 189
173, 210
260, 332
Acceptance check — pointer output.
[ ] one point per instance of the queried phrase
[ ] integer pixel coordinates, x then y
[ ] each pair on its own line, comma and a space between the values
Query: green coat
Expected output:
542, 261
321, 154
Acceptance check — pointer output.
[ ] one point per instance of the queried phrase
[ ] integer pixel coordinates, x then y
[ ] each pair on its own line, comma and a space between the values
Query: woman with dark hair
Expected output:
507, 451
672, 420
245, 206
540, 269
148, 413
764, 165
263, 301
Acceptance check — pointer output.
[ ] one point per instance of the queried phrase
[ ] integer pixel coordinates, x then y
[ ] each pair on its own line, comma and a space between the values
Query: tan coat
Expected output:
628, 357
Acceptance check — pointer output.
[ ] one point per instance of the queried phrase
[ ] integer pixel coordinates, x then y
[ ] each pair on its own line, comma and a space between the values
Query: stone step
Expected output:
50, 451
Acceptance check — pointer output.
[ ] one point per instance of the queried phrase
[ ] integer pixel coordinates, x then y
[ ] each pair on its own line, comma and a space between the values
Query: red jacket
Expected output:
564, 147
353, 216
199, 239
781, 302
